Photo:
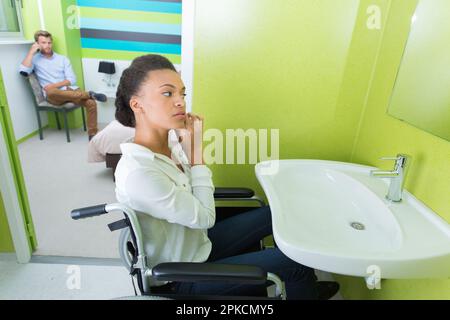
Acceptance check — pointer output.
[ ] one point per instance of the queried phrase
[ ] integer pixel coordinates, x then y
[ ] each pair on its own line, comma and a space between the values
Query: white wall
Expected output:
20, 99
93, 80
187, 49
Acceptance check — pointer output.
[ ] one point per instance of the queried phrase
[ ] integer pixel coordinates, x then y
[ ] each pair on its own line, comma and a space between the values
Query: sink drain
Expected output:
357, 226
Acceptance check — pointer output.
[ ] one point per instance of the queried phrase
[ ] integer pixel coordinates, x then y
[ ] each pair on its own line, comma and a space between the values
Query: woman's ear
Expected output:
136, 106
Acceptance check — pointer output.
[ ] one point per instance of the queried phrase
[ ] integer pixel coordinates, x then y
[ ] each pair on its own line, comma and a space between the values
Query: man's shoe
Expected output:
98, 96
327, 289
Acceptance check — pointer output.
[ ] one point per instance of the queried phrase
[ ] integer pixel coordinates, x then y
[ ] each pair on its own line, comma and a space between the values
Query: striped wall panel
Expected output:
125, 29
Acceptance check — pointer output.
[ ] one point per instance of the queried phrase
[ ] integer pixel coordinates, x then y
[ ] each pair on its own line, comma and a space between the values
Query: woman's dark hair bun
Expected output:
130, 82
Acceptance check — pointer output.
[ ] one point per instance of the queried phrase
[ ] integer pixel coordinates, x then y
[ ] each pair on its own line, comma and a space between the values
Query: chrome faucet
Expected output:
397, 176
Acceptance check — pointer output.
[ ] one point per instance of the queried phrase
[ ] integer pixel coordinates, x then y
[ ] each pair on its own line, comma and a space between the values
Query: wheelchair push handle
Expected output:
88, 212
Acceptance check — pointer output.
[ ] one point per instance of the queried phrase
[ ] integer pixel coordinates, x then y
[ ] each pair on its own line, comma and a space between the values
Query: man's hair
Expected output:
42, 33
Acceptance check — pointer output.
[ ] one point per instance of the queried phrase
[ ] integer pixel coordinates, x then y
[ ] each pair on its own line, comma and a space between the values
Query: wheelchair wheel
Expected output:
125, 256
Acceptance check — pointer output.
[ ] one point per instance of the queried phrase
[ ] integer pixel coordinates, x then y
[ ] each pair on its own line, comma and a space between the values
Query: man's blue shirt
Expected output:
55, 69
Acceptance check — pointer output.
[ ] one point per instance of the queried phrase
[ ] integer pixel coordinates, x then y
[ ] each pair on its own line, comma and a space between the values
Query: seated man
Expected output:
108, 140
56, 77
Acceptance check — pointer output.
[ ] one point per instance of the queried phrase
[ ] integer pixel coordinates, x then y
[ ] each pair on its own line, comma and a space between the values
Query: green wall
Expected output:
72, 39
307, 68
274, 64
6, 244
30, 18
382, 135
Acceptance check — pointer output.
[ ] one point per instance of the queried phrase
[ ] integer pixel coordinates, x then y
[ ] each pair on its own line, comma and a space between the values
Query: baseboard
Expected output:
7, 256
76, 260
28, 136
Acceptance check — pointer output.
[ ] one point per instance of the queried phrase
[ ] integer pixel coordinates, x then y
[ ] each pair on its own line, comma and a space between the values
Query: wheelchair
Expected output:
131, 249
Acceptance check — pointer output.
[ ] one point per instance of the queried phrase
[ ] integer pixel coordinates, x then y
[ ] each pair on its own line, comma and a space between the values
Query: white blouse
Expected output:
174, 208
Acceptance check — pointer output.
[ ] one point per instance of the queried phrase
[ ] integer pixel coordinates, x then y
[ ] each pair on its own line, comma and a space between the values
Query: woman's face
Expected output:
160, 100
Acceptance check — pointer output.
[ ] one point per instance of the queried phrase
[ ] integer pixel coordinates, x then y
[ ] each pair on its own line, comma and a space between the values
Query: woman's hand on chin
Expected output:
191, 138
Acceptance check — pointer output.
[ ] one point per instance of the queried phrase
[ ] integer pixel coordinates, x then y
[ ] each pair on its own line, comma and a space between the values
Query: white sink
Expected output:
314, 204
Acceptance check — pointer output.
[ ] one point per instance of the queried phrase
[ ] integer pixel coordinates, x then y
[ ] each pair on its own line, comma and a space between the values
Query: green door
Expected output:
11, 145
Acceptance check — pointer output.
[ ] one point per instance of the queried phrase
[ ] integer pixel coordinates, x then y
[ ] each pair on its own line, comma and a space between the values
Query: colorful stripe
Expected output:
130, 26
130, 36
130, 45
128, 15
124, 30
138, 5
123, 55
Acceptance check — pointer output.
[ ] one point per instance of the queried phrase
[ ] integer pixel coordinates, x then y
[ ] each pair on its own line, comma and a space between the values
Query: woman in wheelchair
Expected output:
162, 176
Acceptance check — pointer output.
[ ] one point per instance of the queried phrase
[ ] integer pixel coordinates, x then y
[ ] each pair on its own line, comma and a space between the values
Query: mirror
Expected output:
421, 94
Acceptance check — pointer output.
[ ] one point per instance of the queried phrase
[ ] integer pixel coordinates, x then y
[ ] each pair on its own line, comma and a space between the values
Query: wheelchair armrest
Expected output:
194, 271
88, 212
230, 193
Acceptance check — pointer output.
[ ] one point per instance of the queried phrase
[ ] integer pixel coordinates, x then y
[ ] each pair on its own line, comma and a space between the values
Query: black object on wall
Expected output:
107, 67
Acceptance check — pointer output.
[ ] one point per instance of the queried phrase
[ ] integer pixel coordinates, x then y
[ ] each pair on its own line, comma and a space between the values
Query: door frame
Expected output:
10, 194
187, 49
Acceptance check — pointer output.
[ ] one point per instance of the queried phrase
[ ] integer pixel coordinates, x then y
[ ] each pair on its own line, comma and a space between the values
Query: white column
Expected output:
41, 14
187, 49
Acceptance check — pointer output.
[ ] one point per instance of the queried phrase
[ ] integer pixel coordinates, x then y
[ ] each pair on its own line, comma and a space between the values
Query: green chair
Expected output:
41, 104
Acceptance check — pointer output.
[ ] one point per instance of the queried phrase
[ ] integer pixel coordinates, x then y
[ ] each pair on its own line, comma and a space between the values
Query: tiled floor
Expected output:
49, 281
48, 278
58, 179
